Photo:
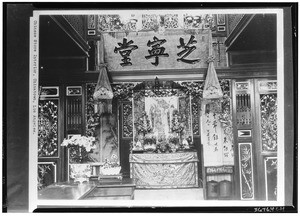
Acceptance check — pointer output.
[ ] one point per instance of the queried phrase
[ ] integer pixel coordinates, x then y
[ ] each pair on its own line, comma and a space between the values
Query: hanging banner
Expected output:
217, 145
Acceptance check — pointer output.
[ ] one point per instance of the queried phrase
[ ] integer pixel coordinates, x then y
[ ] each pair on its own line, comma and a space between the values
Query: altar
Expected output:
168, 170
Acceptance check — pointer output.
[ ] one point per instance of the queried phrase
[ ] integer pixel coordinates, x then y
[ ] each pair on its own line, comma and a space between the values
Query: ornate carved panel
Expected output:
243, 109
185, 112
171, 21
221, 19
271, 177
92, 118
49, 91
246, 171
127, 120
240, 86
46, 174
268, 110
74, 114
114, 22
74, 90
267, 85
91, 21
149, 21
123, 91
225, 86
48, 128
203, 21
195, 116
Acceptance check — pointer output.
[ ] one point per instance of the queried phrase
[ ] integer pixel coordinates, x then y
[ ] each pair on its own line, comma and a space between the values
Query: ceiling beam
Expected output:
240, 27
70, 31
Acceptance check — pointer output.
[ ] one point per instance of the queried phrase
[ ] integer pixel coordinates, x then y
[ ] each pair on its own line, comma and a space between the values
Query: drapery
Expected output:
173, 170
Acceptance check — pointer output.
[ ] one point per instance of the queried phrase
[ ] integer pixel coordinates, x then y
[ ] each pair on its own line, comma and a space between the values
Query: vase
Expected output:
80, 172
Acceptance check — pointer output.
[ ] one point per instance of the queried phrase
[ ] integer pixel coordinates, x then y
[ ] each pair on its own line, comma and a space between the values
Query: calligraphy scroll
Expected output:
217, 145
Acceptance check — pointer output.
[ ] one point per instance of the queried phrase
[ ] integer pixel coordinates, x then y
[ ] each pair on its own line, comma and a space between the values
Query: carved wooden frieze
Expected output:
271, 178
46, 174
246, 171
268, 118
92, 118
127, 120
48, 128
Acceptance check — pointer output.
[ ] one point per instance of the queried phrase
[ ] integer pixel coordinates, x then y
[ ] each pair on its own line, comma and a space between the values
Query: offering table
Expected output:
166, 170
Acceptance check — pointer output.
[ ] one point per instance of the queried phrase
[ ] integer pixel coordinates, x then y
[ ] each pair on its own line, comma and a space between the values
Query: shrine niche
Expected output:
162, 117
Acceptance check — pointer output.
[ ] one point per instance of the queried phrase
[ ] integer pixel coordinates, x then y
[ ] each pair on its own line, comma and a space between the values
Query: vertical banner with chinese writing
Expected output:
217, 145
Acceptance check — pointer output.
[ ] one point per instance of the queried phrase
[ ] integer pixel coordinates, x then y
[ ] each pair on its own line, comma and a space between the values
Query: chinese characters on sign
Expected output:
148, 51
125, 50
216, 144
187, 50
157, 50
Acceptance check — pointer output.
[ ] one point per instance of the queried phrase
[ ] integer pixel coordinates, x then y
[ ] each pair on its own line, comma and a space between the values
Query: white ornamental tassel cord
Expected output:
103, 93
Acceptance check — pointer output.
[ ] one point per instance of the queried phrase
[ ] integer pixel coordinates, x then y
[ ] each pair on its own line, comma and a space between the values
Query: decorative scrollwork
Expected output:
92, 118
171, 21
246, 171
48, 128
127, 120
46, 174
195, 116
268, 110
123, 91
271, 177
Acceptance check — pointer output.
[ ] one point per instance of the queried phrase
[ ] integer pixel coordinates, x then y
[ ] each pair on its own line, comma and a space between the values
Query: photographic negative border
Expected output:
32, 122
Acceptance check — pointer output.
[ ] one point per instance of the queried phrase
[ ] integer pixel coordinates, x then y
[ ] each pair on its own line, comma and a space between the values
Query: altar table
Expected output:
166, 170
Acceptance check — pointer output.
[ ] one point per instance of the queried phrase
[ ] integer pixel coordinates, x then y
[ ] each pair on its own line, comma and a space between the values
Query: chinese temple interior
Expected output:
134, 104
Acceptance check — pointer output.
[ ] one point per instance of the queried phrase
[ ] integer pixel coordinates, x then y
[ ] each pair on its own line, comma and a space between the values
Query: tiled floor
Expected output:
169, 194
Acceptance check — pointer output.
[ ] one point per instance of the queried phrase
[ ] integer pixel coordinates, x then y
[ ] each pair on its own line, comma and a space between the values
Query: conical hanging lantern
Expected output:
212, 88
103, 93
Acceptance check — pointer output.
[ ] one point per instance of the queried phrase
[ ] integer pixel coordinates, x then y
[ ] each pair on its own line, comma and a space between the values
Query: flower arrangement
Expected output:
173, 147
173, 138
142, 124
177, 125
79, 147
163, 147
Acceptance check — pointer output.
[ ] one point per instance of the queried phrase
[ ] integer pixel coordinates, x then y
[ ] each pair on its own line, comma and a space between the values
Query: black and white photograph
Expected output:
150, 107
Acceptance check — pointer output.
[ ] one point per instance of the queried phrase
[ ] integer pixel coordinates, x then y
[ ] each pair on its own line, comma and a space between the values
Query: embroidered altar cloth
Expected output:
172, 170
